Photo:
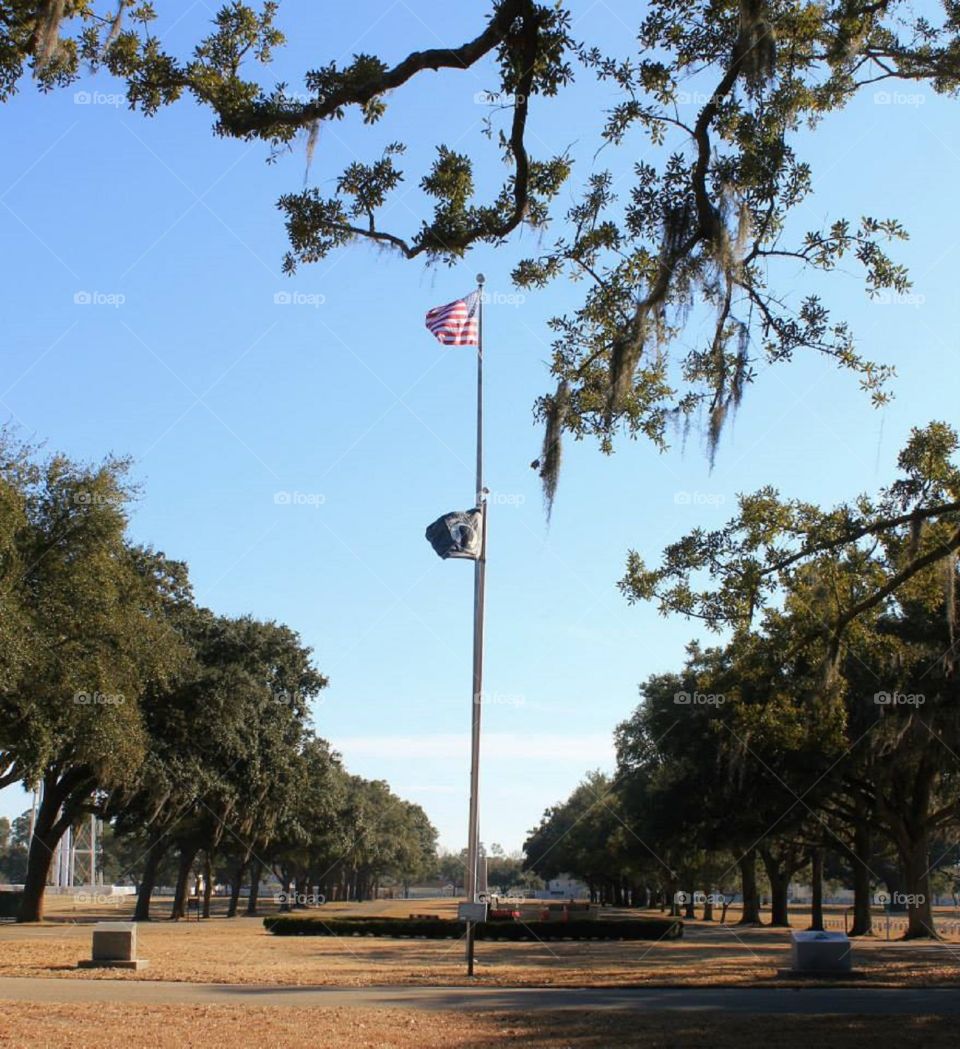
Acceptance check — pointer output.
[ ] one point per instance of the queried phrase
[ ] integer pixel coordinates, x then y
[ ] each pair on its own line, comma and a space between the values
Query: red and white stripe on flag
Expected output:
456, 324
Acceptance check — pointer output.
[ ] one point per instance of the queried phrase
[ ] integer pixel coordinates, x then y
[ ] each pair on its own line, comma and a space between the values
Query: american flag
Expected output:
456, 323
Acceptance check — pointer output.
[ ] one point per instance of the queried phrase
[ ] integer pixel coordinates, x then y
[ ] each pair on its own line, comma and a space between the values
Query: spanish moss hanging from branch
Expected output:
555, 412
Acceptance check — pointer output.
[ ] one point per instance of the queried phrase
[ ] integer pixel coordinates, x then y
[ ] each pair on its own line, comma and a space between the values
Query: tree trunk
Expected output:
748, 881
155, 854
708, 907
816, 889
48, 829
255, 872
285, 893
236, 884
779, 909
861, 855
207, 884
179, 908
915, 857
40, 857
778, 875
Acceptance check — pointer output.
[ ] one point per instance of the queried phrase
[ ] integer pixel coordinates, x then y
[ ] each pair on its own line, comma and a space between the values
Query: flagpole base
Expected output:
471, 940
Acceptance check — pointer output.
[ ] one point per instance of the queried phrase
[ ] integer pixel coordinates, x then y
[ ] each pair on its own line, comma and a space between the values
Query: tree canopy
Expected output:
189, 732
704, 226
825, 723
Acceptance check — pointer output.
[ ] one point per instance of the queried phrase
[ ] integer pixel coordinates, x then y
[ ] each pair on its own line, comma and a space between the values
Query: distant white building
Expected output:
564, 887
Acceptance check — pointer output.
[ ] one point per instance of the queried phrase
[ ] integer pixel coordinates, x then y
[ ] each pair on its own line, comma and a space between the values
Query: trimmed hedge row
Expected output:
10, 904
445, 929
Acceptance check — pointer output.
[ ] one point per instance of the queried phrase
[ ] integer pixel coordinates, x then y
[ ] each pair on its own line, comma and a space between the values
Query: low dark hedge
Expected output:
10, 904
445, 929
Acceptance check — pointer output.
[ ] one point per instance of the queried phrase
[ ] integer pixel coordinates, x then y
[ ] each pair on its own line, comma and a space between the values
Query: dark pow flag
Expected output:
457, 534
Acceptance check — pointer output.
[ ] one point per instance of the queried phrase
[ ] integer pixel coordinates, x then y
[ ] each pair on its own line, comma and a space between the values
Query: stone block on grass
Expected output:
820, 953
114, 947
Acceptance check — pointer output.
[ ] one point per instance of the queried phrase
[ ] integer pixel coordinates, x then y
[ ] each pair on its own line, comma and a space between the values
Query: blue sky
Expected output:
224, 398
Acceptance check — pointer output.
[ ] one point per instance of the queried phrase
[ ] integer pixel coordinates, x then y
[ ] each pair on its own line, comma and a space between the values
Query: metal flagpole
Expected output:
479, 575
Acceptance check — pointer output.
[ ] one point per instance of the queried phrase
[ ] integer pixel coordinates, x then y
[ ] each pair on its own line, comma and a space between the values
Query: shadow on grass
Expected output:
718, 1031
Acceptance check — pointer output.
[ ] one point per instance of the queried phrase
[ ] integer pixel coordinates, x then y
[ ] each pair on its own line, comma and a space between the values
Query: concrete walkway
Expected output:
808, 1001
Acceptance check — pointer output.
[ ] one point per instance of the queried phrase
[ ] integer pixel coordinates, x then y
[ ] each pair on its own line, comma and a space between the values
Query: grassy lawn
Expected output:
119, 1027
241, 951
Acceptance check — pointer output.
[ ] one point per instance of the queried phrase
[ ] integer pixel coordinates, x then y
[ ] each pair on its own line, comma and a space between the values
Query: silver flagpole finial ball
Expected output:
480, 278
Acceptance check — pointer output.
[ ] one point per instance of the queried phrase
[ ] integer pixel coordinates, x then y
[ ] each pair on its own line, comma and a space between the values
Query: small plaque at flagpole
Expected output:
472, 912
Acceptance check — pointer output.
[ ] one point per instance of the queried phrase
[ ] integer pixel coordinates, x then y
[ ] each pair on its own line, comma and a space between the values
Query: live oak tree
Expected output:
900, 779
705, 226
668, 780
915, 789
223, 746
850, 808
280, 682
415, 860
93, 637
867, 593
338, 836
300, 846
791, 745
582, 837
16, 639
781, 738
189, 732
787, 765
386, 836
730, 755
878, 545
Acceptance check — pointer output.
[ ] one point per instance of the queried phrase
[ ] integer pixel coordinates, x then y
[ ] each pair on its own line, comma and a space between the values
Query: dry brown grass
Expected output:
241, 951
41, 1026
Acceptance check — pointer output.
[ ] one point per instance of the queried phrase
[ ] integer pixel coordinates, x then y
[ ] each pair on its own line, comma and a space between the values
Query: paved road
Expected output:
811, 1000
